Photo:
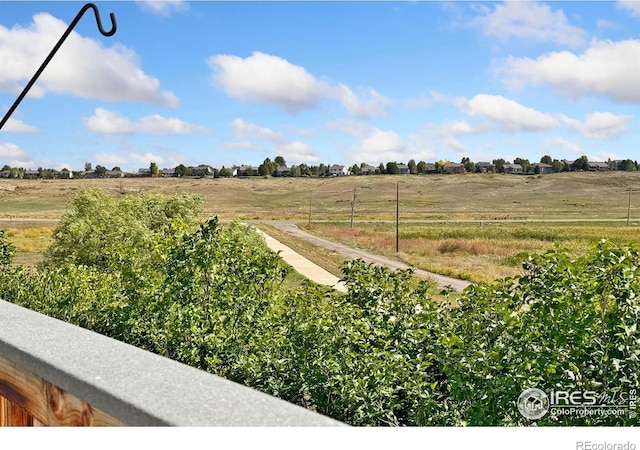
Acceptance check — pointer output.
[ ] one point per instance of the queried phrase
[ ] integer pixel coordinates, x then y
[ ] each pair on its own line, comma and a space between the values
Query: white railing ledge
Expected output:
135, 386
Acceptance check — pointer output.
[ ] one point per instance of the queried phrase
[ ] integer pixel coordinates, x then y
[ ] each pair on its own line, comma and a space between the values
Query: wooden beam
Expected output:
28, 400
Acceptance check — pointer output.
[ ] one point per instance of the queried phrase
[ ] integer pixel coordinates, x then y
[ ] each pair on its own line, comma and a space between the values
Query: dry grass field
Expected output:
471, 196
464, 250
471, 252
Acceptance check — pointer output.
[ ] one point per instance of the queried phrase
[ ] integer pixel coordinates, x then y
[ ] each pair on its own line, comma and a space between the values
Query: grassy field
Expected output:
463, 250
470, 251
471, 196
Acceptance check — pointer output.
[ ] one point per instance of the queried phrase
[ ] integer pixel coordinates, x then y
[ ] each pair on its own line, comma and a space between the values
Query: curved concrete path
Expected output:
302, 265
348, 252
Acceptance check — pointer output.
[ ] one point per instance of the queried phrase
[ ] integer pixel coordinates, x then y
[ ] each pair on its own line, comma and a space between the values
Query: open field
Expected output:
471, 252
457, 249
472, 196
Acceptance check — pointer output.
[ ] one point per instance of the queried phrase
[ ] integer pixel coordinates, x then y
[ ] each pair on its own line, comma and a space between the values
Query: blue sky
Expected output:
227, 83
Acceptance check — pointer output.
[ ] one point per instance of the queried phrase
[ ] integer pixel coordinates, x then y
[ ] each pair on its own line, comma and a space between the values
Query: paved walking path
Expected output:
302, 265
348, 252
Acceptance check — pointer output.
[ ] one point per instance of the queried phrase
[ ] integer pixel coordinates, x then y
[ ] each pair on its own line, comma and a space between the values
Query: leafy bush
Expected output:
6, 250
566, 325
144, 271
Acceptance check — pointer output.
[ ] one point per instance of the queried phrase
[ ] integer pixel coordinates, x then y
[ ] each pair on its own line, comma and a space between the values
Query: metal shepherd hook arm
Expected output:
55, 50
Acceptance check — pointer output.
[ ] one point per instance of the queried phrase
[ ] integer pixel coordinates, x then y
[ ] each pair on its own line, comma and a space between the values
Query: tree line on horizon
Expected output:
271, 168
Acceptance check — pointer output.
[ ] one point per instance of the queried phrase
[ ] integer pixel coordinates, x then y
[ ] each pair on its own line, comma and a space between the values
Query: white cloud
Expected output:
269, 79
632, 6
14, 156
599, 125
380, 145
369, 104
241, 145
134, 157
571, 146
293, 151
108, 122
306, 132
455, 145
298, 152
164, 7
82, 66
53, 164
17, 126
531, 21
506, 113
354, 128
244, 130
455, 128
424, 101
606, 68
263, 78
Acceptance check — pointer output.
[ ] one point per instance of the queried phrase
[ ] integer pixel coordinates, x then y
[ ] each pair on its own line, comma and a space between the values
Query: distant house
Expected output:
203, 170
598, 166
337, 170
31, 174
512, 168
247, 171
89, 174
485, 167
366, 169
403, 169
5, 174
282, 171
430, 168
568, 165
454, 168
113, 174
541, 168
64, 174
168, 173
144, 172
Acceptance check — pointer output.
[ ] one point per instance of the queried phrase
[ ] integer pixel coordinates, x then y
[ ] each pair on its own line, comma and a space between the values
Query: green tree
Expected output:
280, 161
295, 171
581, 163
182, 171
469, 165
526, 165
96, 226
413, 168
499, 165
153, 167
557, 166
7, 250
546, 159
381, 169
392, 168
627, 165
100, 171
224, 172
422, 167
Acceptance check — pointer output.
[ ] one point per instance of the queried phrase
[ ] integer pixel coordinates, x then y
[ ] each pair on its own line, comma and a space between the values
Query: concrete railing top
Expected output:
137, 387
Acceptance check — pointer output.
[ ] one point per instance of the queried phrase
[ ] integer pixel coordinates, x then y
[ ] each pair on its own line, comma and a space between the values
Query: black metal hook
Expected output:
55, 50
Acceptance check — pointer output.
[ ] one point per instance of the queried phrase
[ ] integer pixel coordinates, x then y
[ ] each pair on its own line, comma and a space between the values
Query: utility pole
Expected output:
353, 202
310, 194
629, 207
397, 217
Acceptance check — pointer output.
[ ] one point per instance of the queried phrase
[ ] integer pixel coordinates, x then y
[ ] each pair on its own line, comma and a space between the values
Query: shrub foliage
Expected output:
143, 270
